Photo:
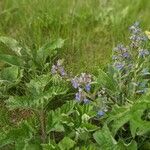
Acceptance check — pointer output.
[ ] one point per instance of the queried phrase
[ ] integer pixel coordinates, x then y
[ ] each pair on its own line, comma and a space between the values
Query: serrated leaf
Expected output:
22, 102
56, 118
16, 135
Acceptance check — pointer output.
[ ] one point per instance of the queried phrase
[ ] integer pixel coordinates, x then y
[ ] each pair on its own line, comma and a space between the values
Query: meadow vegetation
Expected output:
90, 29
74, 75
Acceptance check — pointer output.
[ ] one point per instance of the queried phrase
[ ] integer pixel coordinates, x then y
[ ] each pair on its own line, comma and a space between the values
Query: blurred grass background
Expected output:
90, 27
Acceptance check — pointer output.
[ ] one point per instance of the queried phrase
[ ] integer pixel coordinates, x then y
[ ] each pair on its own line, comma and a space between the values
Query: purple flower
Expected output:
86, 101
120, 48
126, 55
58, 68
137, 37
62, 71
135, 28
75, 83
143, 52
88, 87
83, 80
78, 96
54, 69
119, 66
100, 113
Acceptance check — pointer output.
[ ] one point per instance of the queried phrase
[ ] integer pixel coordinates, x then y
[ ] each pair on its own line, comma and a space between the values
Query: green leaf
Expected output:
40, 91
122, 146
49, 49
131, 113
12, 44
119, 116
18, 135
59, 116
12, 60
21, 102
104, 138
66, 143
57, 43
10, 74
104, 80
37, 85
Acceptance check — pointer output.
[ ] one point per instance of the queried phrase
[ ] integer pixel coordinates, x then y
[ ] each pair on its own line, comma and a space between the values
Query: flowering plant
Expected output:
107, 110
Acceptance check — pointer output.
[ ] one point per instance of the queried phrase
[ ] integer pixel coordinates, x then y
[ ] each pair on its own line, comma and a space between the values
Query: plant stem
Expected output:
43, 126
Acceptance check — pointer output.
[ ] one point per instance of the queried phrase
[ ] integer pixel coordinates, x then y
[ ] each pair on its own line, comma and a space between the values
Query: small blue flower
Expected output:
78, 96
88, 87
75, 83
143, 52
120, 47
86, 101
100, 113
135, 28
62, 71
119, 66
126, 55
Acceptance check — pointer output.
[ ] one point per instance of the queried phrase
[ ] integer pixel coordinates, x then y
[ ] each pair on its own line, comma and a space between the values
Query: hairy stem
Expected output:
43, 126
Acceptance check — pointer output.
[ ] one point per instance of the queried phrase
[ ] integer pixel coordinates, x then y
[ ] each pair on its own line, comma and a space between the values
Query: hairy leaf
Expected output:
66, 143
12, 44
11, 60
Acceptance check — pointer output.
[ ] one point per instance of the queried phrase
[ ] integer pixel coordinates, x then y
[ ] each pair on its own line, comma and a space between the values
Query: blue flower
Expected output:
100, 113
126, 55
88, 87
62, 71
75, 83
78, 96
120, 48
58, 68
135, 28
86, 101
119, 66
143, 52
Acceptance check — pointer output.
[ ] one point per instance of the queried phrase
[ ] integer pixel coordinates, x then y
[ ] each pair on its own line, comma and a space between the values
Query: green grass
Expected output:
90, 27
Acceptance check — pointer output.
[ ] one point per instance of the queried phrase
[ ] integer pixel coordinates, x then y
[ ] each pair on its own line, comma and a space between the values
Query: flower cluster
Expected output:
130, 75
103, 107
143, 53
83, 84
127, 60
121, 57
137, 36
58, 68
